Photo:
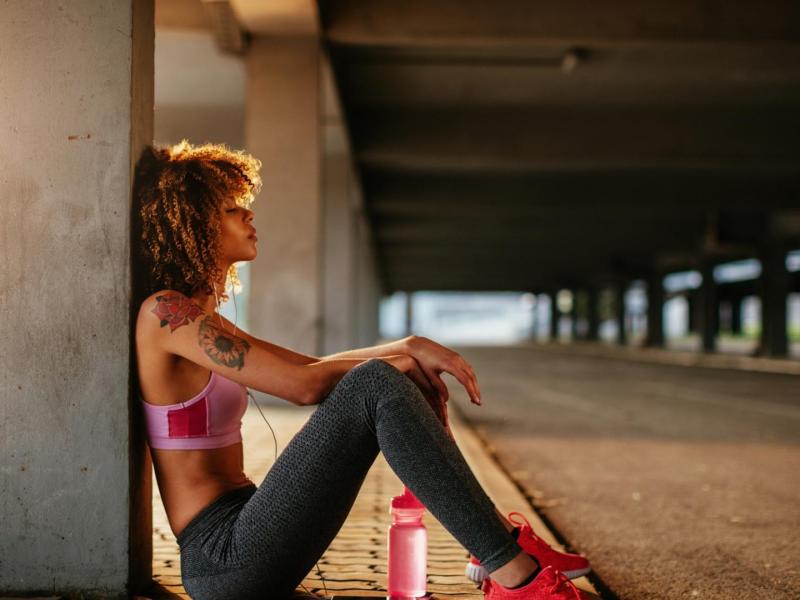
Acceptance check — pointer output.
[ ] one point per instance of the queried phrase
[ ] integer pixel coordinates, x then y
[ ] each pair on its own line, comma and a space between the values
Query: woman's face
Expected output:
238, 240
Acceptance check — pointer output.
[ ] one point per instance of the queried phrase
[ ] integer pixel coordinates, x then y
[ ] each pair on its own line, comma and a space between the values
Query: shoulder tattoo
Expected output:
175, 309
222, 347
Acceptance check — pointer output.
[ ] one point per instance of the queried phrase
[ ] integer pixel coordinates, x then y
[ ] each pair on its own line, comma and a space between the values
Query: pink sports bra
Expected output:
212, 419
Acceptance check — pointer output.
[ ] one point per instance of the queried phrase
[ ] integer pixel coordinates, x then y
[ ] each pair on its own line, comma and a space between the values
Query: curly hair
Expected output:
177, 193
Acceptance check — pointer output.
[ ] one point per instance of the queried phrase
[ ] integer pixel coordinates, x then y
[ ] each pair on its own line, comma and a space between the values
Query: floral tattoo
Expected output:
175, 309
222, 347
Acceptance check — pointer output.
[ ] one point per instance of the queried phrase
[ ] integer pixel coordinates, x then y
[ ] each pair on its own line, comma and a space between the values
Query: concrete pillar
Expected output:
736, 315
573, 316
369, 286
655, 310
76, 110
409, 313
534, 332
724, 314
593, 314
283, 130
691, 310
350, 299
555, 315
773, 288
708, 308
622, 332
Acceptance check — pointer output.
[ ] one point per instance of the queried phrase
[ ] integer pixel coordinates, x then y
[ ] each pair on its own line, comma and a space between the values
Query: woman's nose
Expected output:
249, 215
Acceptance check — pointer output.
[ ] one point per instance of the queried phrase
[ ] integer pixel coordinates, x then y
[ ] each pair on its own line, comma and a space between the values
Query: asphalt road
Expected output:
676, 482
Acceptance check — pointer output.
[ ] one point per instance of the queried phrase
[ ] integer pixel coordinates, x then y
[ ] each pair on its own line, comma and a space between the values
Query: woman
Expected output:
239, 540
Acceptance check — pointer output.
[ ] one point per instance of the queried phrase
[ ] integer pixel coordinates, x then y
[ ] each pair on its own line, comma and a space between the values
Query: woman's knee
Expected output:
372, 371
374, 378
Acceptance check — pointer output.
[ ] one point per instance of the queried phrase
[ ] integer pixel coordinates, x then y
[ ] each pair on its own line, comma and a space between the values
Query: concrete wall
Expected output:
349, 276
199, 91
369, 291
282, 129
69, 146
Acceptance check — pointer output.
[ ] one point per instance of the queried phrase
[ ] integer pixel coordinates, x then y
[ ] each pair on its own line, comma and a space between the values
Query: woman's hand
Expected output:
410, 367
434, 359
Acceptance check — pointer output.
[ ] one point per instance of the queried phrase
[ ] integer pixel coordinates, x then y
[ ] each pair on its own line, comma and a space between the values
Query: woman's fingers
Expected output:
437, 382
432, 395
470, 374
421, 380
474, 378
467, 379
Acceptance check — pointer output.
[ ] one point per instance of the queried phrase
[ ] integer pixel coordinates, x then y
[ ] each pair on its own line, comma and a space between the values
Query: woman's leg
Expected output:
303, 501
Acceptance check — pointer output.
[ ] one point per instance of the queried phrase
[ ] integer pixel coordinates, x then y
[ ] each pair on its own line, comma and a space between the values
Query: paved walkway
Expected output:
355, 562
677, 481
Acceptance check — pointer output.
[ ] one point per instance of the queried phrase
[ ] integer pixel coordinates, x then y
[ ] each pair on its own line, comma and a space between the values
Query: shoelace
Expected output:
525, 526
564, 585
561, 584
486, 586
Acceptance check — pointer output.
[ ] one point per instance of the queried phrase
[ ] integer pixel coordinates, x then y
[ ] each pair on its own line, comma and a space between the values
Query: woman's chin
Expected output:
247, 256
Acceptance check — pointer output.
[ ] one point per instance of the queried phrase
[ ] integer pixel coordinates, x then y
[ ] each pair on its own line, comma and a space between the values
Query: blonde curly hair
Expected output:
177, 194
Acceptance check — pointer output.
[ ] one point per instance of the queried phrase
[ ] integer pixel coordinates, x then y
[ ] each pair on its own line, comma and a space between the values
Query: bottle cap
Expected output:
406, 500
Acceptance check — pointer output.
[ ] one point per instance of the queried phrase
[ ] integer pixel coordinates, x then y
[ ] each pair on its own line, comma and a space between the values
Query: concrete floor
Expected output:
676, 482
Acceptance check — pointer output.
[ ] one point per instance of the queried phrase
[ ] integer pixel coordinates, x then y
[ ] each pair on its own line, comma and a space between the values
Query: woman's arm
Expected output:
175, 324
287, 354
402, 346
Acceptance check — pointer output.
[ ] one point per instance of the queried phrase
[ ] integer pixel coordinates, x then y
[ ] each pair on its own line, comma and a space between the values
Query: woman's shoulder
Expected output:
159, 307
163, 298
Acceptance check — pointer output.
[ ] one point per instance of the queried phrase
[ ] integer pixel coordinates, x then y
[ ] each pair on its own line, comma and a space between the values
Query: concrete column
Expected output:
534, 331
283, 130
343, 274
691, 310
773, 288
622, 333
708, 309
351, 285
593, 314
555, 315
736, 315
655, 310
369, 287
573, 316
409, 312
76, 110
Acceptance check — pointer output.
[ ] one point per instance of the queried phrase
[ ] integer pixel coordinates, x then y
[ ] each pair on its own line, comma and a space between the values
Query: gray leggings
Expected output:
260, 542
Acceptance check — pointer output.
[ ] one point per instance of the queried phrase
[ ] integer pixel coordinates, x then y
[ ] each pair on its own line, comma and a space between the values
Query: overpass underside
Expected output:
513, 145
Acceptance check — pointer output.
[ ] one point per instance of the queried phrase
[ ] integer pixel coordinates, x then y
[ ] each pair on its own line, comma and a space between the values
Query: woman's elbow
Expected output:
311, 392
307, 399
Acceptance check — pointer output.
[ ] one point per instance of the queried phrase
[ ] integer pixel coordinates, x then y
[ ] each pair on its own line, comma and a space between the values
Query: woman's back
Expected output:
188, 479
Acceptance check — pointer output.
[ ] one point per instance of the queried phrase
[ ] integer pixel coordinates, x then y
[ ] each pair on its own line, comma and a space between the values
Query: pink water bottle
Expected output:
408, 549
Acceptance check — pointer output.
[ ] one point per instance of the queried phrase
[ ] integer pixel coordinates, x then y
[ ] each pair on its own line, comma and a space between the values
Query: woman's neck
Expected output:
209, 301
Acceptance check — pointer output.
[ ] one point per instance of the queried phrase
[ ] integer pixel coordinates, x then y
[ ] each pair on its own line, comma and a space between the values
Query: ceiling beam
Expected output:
665, 74
514, 22
553, 139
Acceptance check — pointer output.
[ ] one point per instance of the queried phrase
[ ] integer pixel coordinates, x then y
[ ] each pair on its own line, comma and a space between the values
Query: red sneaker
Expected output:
571, 565
549, 584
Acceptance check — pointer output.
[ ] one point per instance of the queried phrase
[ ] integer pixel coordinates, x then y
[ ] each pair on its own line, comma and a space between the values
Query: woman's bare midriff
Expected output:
189, 480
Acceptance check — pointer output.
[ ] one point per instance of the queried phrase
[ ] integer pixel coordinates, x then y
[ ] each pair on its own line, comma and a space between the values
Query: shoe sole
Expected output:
478, 573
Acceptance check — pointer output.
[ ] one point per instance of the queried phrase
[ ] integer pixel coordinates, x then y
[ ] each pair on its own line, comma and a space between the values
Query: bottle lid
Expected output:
407, 500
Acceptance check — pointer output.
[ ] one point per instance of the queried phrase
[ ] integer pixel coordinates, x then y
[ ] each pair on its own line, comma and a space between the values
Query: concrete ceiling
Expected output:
520, 145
